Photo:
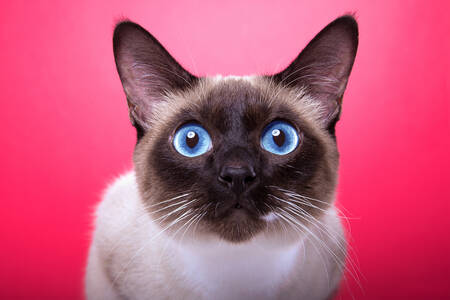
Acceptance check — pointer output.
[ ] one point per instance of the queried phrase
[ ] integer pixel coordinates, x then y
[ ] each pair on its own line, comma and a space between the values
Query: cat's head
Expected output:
236, 156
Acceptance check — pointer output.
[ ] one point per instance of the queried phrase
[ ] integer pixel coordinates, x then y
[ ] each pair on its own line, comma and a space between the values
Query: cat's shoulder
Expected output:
122, 194
120, 204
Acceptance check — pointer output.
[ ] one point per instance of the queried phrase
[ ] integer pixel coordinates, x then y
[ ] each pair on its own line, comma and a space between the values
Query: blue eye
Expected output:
279, 138
192, 140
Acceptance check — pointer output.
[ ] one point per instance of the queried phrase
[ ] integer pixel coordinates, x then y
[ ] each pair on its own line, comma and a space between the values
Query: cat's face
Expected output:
236, 157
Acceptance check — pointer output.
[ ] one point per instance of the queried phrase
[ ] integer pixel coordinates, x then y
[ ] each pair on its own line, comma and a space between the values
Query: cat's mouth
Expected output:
237, 223
241, 206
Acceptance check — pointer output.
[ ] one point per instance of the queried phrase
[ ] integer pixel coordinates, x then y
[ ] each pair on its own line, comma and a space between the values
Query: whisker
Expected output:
162, 218
354, 271
300, 199
197, 217
292, 194
168, 200
322, 244
169, 206
131, 260
143, 213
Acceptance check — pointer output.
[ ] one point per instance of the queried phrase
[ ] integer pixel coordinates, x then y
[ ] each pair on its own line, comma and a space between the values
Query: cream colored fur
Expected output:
131, 259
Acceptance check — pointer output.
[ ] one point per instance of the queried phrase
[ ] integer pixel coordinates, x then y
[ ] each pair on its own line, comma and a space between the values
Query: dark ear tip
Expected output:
348, 27
120, 29
126, 26
124, 30
347, 23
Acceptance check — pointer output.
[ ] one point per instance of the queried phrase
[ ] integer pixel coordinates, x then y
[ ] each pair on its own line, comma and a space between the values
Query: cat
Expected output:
233, 188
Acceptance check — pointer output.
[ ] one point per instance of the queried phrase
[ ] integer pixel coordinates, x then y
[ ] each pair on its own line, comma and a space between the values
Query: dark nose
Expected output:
237, 179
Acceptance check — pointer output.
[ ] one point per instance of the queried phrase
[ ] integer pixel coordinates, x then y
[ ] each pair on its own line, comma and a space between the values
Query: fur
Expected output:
180, 227
128, 259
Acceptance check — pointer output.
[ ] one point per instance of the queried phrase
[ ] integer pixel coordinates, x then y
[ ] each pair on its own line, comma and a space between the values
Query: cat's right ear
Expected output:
323, 67
147, 72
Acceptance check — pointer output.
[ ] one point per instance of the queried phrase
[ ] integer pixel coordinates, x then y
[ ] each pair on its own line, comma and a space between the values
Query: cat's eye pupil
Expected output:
191, 139
278, 137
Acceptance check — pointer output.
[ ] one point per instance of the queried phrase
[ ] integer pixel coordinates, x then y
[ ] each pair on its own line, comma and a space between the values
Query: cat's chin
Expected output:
238, 226
238, 215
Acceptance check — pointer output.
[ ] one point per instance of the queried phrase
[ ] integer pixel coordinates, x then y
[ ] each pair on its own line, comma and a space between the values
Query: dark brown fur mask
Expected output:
235, 187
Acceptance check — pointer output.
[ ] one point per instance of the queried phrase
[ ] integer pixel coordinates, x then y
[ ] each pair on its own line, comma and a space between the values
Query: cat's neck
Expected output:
222, 266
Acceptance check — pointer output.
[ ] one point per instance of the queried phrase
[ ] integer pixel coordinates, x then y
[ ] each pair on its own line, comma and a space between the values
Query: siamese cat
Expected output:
233, 188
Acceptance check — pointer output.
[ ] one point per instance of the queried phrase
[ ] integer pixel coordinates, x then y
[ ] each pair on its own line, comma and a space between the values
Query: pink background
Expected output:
65, 132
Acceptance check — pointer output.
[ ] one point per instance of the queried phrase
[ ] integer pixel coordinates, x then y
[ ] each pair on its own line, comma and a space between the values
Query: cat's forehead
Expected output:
231, 103
237, 103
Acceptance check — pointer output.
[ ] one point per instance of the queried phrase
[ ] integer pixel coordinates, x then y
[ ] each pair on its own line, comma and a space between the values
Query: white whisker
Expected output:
304, 215
168, 200
131, 260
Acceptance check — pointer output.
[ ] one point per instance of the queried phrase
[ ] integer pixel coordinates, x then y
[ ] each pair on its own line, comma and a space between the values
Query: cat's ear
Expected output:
324, 66
147, 72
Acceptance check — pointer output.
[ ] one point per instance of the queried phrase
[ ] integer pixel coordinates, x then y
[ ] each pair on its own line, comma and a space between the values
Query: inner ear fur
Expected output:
323, 67
147, 72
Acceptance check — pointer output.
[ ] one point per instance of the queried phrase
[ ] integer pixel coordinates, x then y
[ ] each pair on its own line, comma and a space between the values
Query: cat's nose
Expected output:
238, 179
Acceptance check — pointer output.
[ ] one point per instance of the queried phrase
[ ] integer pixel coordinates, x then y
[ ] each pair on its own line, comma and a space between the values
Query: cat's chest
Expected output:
229, 271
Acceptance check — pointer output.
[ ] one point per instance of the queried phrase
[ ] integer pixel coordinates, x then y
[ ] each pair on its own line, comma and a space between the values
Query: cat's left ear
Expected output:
324, 66
147, 72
